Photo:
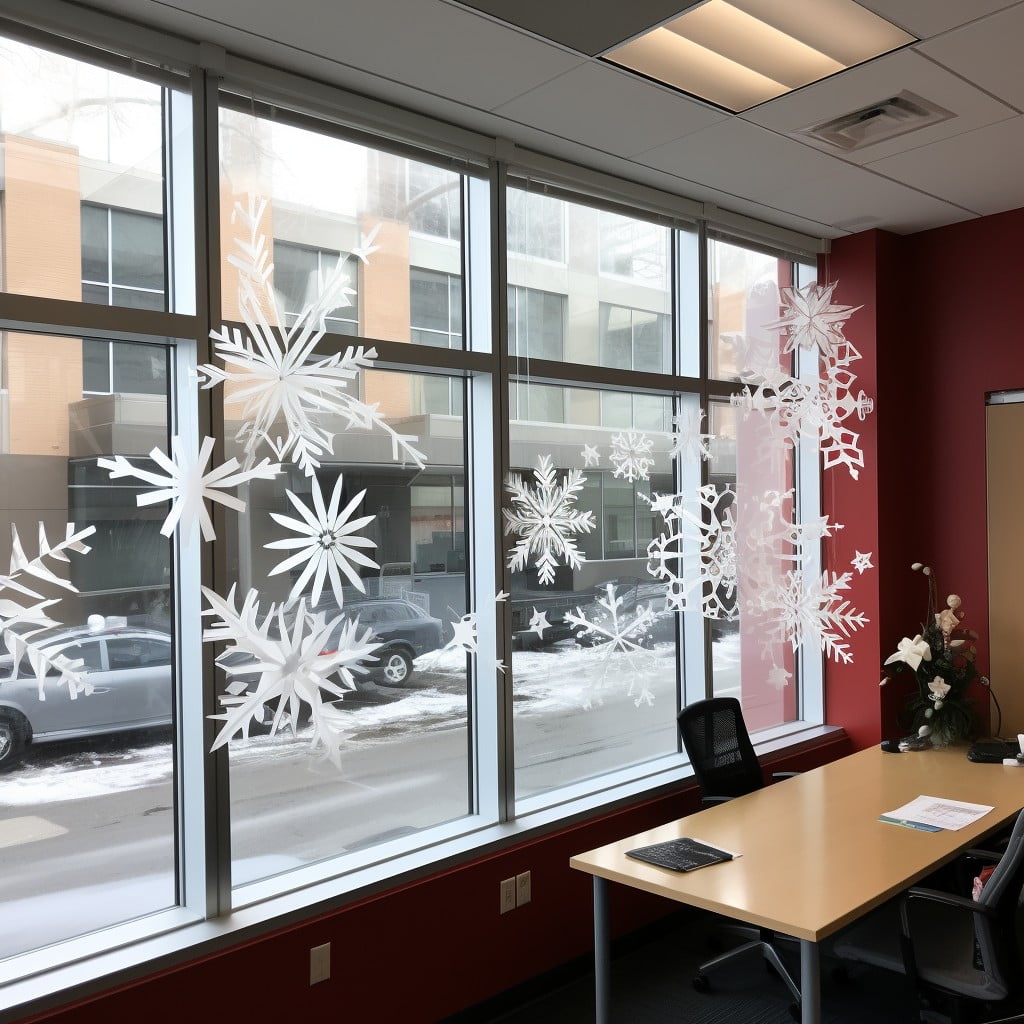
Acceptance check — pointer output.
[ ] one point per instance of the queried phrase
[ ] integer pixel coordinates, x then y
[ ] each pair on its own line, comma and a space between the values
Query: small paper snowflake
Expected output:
296, 661
810, 319
325, 542
631, 455
538, 623
591, 456
186, 483
543, 518
862, 562
610, 629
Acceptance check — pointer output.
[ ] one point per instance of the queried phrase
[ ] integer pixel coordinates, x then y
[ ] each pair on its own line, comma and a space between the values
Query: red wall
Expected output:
421, 952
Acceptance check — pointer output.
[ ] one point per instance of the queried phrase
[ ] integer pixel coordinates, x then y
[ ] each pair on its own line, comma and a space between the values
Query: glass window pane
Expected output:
101, 764
601, 673
406, 701
608, 302
330, 204
79, 140
96, 366
744, 298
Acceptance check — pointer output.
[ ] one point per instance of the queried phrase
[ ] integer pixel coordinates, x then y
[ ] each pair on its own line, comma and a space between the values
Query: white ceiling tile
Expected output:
739, 158
925, 18
440, 49
875, 81
951, 168
988, 52
855, 197
603, 107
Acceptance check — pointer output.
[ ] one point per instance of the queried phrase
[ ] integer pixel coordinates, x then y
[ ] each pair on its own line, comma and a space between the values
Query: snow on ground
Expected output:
563, 677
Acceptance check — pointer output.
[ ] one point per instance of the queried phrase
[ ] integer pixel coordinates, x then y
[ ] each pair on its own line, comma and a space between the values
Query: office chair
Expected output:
951, 946
724, 763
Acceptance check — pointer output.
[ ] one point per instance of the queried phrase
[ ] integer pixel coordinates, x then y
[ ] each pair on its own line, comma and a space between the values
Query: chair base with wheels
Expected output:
762, 946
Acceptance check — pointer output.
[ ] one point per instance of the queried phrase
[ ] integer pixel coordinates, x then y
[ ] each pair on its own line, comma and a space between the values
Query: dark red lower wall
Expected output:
421, 952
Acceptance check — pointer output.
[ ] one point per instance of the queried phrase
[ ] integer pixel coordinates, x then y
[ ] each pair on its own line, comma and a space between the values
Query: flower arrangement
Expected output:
942, 657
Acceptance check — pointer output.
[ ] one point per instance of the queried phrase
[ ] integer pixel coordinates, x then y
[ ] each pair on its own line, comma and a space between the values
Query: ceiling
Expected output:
526, 70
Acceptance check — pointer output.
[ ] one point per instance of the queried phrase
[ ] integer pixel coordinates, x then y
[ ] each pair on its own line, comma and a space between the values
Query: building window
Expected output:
123, 258
433, 199
301, 273
536, 226
633, 248
435, 308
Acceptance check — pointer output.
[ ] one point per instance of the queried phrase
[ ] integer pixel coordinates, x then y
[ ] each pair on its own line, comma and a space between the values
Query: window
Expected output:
353, 483
302, 273
435, 308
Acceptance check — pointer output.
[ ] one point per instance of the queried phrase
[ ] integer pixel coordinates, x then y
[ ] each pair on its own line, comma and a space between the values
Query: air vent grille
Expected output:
877, 122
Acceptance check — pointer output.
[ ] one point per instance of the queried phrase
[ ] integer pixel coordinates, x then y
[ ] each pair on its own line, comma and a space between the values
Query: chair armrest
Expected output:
989, 856
709, 801
785, 775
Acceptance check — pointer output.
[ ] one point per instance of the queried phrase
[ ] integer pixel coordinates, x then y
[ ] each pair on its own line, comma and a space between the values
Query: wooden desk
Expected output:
813, 854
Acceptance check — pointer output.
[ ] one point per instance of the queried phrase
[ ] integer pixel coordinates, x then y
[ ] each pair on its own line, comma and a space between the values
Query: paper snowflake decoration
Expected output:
814, 612
778, 678
26, 609
187, 484
815, 410
695, 554
538, 623
326, 543
687, 439
290, 661
631, 455
591, 456
610, 629
544, 519
280, 380
811, 320
862, 562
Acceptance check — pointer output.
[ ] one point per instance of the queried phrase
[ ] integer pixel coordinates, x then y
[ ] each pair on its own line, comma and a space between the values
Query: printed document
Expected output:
939, 813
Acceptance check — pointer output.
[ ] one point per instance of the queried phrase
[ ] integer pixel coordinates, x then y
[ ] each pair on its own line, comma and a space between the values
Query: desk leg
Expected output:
810, 983
602, 953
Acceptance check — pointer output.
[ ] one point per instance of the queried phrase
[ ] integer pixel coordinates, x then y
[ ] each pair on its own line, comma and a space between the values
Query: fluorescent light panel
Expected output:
738, 53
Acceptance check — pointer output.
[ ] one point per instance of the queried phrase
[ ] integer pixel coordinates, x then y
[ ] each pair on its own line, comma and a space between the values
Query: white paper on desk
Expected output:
936, 810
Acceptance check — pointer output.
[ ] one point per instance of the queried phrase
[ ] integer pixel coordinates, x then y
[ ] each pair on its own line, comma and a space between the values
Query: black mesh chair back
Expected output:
719, 748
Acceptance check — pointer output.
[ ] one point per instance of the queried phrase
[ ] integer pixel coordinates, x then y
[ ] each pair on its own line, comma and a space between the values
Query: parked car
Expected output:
403, 630
129, 670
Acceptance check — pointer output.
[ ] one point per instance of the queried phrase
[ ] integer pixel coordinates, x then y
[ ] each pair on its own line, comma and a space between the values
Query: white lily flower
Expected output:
911, 652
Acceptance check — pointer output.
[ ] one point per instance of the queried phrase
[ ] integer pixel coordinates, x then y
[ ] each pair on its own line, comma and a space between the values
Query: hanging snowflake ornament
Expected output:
591, 456
814, 410
609, 629
22, 620
861, 562
538, 623
687, 439
284, 663
803, 612
811, 320
279, 379
544, 519
326, 543
631, 455
695, 554
187, 484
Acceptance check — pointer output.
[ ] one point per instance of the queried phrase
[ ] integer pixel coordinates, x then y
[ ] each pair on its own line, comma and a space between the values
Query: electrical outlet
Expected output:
319, 963
522, 888
508, 895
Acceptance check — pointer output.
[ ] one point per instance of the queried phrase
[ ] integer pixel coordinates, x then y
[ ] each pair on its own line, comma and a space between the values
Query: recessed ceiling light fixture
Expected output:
738, 53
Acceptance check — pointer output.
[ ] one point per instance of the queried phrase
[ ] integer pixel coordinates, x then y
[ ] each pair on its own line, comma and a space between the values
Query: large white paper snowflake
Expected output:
544, 519
280, 381
30, 616
325, 542
288, 660
814, 612
815, 410
611, 629
687, 439
810, 319
631, 455
187, 484
695, 554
